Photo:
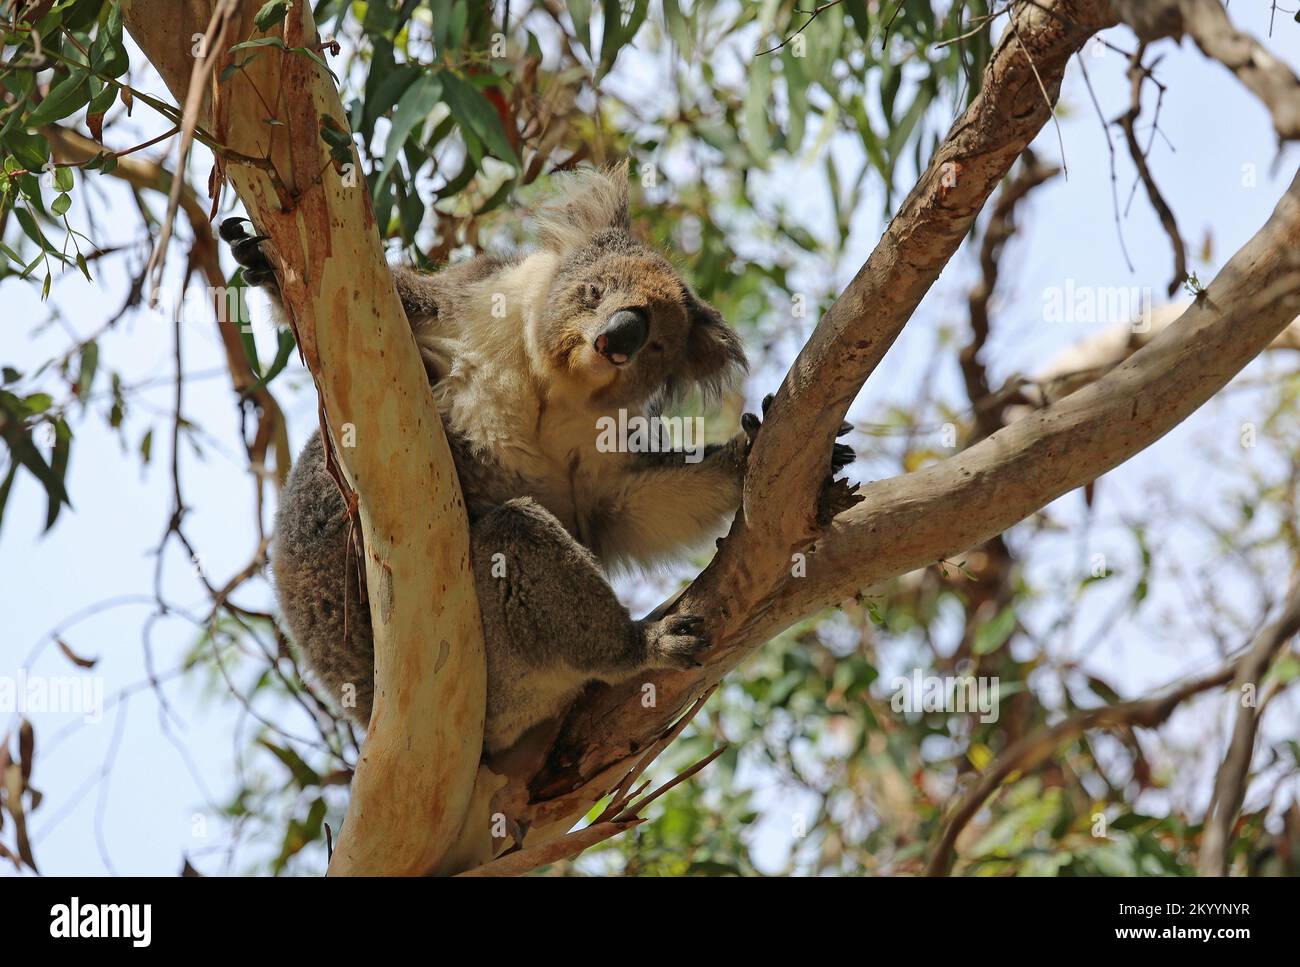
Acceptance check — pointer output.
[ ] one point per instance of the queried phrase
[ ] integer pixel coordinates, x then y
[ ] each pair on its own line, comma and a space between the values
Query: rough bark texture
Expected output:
415, 775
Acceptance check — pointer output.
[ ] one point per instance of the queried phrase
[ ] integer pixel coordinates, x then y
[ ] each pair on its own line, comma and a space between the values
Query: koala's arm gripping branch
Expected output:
416, 773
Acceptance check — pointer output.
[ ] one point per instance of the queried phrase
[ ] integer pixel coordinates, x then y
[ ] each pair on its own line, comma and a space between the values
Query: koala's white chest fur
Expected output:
575, 479
544, 438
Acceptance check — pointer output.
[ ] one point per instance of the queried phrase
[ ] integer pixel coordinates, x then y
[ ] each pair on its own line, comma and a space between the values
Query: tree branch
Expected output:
1206, 21
1138, 74
1088, 360
908, 522
988, 407
792, 455
566, 847
1230, 784
1030, 752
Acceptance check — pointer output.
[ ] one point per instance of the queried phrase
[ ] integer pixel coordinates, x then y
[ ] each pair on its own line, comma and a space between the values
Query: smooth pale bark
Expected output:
415, 774
911, 521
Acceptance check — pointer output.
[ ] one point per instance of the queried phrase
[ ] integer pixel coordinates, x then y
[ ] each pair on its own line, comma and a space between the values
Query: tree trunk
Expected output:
416, 771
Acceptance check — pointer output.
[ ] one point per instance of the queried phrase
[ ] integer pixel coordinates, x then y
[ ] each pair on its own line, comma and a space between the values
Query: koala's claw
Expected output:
675, 641
247, 250
841, 454
751, 424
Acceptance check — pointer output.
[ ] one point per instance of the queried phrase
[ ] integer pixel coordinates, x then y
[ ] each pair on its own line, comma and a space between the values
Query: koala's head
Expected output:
620, 325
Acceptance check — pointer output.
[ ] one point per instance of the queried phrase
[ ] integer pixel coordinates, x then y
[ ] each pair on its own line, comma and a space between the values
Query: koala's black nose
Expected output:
624, 334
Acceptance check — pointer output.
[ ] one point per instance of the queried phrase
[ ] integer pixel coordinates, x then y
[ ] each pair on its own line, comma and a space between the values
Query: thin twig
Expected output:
639, 806
1110, 148
1056, 122
1126, 121
1230, 784
980, 22
567, 847
214, 38
813, 15
621, 795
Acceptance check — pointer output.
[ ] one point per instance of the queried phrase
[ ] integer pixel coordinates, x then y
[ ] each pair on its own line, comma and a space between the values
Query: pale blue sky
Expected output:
152, 805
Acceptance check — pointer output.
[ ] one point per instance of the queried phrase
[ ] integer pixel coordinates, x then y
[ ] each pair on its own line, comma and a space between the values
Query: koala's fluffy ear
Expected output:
588, 201
715, 356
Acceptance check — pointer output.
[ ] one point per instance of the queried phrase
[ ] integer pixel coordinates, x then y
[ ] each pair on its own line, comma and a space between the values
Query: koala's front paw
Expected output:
836, 496
247, 250
675, 641
841, 453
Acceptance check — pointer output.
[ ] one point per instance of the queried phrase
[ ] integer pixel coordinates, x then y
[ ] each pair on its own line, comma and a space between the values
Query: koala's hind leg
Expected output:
551, 622
317, 581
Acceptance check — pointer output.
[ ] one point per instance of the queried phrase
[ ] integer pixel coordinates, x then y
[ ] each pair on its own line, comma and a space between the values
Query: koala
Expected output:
524, 355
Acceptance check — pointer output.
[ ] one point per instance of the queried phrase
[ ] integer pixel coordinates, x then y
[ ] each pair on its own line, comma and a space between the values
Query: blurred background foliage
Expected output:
458, 109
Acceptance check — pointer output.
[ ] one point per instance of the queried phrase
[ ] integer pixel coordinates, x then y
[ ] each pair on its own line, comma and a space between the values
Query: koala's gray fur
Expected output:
519, 358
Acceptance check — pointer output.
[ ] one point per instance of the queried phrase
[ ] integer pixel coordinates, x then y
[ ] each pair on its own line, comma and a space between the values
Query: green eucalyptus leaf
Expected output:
475, 113
413, 109
271, 13
65, 98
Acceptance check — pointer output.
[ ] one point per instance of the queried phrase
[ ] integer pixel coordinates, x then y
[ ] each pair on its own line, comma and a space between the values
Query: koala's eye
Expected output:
591, 293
